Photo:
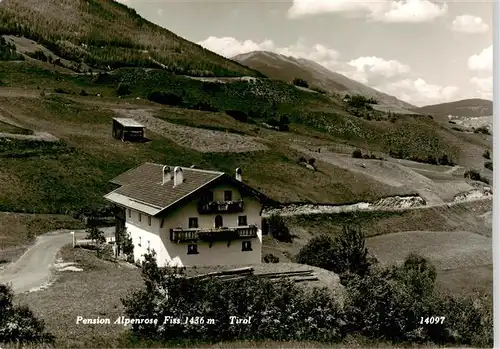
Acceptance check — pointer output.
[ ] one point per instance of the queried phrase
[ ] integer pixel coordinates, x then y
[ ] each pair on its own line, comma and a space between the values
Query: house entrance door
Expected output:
218, 221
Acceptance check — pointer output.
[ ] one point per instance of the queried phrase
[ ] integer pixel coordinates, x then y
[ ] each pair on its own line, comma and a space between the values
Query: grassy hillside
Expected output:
73, 172
467, 107
106, 33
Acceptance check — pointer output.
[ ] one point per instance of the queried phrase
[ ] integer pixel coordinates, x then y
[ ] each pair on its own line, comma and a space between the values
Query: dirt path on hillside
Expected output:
396, 175
37, 136
202, 140
12, 92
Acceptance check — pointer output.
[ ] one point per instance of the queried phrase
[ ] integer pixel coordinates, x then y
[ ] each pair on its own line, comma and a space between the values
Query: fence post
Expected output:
74, 242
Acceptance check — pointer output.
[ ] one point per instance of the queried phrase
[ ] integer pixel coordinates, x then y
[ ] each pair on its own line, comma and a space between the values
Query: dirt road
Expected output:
34, 268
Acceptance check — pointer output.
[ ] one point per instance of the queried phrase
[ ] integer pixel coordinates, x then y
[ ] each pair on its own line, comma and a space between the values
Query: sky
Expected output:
420, 51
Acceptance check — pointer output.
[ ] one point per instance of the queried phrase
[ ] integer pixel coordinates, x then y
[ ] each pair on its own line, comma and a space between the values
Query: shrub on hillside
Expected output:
487, 154
203, 106
270, 258
283, 123
18, 325
483, 129
346, 253
39, 55
474, 175
123, 89
238, 115
360, 101
278, 229
300, 82
279, 309
445, 160
165, 98
8, 51
357, 154
62, 91
489, 165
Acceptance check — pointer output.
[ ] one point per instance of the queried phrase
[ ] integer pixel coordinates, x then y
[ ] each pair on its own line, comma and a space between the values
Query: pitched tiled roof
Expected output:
144, 184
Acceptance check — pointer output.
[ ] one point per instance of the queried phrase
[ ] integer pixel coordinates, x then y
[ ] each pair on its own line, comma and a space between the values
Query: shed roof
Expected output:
128, 122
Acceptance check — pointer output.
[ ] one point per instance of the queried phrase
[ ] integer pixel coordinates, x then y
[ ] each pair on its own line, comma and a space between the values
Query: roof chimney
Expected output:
167, 174
178, 176
238, 174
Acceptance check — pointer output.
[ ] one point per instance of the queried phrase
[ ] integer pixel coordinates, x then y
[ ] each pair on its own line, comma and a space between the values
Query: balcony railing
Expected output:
221, 207
216, 234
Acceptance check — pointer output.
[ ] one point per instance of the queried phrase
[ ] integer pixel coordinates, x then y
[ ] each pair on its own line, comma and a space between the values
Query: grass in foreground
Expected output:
94, 292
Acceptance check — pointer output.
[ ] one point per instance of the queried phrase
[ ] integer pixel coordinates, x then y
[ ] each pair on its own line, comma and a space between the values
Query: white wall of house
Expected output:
143, 235
172, 253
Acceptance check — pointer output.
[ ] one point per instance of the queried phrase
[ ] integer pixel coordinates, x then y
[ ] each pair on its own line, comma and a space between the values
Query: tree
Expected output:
284, 123
487, 154
97, 236
125, 244
318, 253
300, 82
18, 325
357, 154
346, 253
351, 252
123, 89
278, 228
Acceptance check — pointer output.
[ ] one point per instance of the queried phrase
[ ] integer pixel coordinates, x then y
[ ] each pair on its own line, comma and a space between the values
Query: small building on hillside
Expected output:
188, 216
127, 129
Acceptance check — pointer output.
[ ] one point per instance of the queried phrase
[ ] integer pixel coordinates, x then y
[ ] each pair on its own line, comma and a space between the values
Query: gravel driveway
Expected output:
33, 269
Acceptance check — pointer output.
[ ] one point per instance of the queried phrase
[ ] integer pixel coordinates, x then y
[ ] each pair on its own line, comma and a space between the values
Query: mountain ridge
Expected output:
108, 35
287, 68
470, 107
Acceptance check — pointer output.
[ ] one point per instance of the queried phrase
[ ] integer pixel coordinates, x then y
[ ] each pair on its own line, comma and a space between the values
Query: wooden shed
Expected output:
127, 129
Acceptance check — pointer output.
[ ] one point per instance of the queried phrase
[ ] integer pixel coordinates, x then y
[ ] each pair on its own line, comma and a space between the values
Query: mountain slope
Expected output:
278, 66
104, 33
468, 107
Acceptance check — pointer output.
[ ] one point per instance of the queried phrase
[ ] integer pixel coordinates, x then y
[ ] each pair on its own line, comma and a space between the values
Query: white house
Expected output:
188, 216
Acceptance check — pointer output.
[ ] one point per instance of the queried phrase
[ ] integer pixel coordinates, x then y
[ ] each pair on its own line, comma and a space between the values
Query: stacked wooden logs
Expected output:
238, 274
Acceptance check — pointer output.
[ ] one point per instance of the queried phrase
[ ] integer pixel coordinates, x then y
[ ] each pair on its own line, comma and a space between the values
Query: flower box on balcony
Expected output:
221, 206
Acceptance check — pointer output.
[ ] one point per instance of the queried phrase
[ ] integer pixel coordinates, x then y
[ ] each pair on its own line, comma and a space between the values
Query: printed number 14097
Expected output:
432, 320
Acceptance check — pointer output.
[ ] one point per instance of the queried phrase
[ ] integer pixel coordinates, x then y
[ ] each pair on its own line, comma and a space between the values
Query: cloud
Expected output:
482, 61
230, 47
484, 86
419, 92
389, 11
159, 12
469, 24
368, 69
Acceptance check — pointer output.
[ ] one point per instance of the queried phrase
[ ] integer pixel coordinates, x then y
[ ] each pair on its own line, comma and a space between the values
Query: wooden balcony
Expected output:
220, 207
210, 235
